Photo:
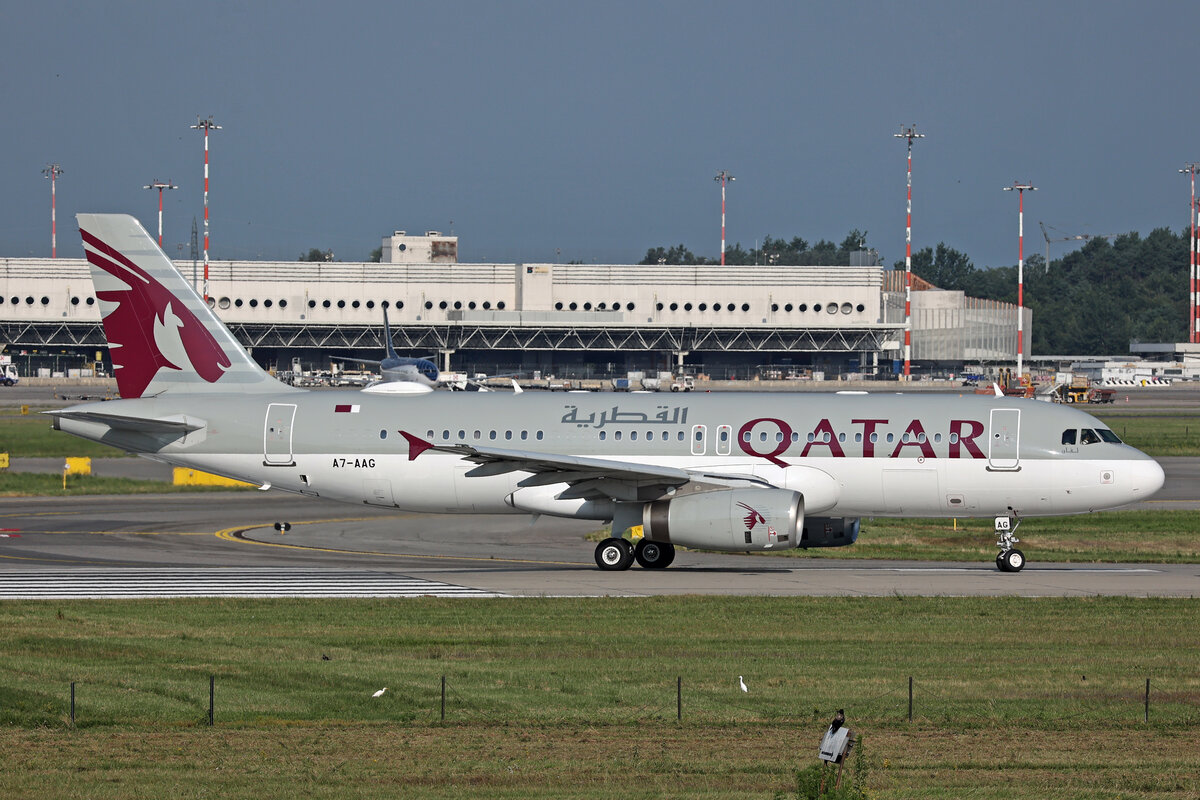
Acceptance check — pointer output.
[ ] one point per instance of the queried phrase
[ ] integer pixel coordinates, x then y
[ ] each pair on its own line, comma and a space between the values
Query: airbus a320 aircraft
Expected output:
731, 472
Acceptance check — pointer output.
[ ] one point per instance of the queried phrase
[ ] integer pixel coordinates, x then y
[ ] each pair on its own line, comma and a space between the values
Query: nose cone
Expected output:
1146, 478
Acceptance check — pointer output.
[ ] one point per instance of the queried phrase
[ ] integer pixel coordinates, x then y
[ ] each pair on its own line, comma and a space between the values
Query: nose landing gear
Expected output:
1010, 559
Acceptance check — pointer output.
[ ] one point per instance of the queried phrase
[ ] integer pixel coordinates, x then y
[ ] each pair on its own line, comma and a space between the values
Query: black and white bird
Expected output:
838, 720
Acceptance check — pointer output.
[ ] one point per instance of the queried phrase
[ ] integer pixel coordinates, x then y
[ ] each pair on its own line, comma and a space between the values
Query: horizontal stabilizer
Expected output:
137, 424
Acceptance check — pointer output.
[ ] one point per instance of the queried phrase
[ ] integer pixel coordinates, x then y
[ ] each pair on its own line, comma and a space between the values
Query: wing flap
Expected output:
586, 477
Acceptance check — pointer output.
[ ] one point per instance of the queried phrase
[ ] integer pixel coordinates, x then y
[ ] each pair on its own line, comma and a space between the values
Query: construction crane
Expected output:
1079, 237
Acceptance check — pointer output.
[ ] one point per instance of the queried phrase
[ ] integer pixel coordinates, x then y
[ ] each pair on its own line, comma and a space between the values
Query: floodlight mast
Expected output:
52, 171
1020, 189
908, 133
205, 125
157, 184
723, 177
1193, 259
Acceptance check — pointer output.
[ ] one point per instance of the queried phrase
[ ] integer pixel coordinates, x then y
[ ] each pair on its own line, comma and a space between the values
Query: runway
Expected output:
224, 544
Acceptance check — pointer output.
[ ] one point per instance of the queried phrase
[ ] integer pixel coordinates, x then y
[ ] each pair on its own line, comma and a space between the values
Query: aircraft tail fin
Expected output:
387, 338
161, 335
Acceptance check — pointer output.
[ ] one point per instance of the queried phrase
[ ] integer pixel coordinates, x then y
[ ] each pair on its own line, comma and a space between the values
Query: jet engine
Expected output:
734, 520
828, 532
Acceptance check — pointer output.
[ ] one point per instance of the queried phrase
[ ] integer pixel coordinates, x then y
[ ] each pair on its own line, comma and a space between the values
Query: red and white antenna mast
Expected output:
157, 184
1194, 259
908, 133
1020, 189
206, 125
723, 177
52, 171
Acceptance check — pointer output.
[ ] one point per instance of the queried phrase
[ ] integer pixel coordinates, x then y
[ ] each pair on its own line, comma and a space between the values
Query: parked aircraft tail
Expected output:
387, 338
161, 335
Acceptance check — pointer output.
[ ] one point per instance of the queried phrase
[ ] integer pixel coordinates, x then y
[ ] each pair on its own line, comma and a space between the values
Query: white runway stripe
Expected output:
86, 584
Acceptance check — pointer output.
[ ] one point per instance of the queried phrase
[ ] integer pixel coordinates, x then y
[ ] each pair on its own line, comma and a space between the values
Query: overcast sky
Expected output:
542, 131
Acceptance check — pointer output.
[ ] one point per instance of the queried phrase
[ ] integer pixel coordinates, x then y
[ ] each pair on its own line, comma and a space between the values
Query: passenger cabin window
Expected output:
1068, 436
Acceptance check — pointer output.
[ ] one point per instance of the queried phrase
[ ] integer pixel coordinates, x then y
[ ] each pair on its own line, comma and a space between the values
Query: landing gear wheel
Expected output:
1011, 560
654, 555
614, 554
283, 527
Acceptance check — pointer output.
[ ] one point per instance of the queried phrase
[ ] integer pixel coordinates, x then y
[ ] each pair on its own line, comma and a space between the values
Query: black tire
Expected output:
614, 554
1014, 560
654, 555
1000, 562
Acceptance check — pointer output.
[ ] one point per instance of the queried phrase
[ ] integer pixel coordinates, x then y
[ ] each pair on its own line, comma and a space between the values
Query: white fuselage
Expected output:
850, 456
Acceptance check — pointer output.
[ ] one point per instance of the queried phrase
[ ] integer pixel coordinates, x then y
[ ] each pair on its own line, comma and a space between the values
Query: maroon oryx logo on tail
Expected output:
146, 314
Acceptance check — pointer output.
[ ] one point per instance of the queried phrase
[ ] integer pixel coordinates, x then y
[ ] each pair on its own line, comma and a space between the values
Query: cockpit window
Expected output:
1088, 436
1108, 435
1069, 436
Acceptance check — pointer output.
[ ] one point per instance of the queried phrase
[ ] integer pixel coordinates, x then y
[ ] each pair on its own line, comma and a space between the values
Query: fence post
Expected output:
1147, 699
910, 698
679, 698
443, 698
72, 704
211, 691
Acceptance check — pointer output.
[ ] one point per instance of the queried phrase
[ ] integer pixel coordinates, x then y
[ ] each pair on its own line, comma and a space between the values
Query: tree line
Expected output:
783, 252
1093, 301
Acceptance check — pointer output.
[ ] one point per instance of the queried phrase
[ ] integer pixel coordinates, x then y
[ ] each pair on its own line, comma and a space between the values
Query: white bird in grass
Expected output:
742, 684
381, 691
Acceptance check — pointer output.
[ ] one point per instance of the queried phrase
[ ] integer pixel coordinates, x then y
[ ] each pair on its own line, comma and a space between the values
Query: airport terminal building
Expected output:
579, 320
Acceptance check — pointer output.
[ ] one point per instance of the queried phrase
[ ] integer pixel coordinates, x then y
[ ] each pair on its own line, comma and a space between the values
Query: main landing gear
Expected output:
1009, 559
615, 554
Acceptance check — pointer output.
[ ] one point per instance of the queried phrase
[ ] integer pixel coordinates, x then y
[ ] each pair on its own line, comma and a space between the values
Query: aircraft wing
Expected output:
137, 424
587, 477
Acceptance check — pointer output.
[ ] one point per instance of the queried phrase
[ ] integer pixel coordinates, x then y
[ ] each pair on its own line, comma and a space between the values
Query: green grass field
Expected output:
1176, 433
577, 698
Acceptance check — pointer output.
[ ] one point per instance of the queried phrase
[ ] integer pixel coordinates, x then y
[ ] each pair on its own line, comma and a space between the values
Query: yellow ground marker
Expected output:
194, 477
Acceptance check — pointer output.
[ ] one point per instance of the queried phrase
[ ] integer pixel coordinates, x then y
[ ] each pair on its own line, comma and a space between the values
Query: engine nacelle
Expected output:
828, 532
734, 520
